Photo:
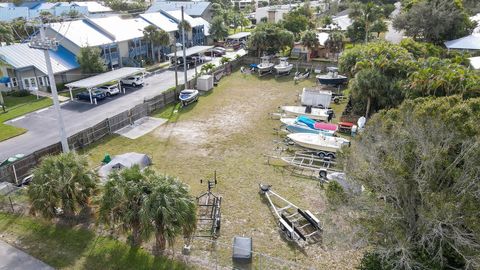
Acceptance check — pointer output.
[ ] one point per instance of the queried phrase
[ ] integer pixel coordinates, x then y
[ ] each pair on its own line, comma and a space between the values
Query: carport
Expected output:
191, 51
238, 37
101, 79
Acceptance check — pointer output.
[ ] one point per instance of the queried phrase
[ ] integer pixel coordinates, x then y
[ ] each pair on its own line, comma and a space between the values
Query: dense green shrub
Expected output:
335, 193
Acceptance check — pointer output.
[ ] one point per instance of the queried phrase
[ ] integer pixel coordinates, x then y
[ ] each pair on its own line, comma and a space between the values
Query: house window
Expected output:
26, 83
29, 83
43, 81
14, 81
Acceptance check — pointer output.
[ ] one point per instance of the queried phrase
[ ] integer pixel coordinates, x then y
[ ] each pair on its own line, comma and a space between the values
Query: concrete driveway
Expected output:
43, 128
15, 259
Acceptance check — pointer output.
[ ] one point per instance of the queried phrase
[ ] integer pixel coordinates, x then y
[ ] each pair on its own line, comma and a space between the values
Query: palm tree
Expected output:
61, 182
335, 42
122, 202
369, 83
157, 38
367, 14
218, 29
6, 33
170, 209
310, 41
149, 34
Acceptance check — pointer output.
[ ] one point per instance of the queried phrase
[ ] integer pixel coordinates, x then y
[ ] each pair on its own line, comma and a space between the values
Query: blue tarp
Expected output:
307, 121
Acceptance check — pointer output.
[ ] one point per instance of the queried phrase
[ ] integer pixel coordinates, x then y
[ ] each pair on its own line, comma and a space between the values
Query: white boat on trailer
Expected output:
313, 113
265, 67
325, 145
188, 96
283, 67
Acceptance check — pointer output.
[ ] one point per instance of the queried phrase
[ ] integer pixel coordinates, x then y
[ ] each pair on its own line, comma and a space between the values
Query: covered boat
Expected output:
332, 77
265, 66
318, 142
303, 124
313, 113
283, 67
126, 160
188, 96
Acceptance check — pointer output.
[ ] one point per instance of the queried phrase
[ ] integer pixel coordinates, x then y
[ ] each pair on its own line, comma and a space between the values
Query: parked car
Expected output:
215, 52
109, 90
99, 95
190, 62
220, 49
134, 81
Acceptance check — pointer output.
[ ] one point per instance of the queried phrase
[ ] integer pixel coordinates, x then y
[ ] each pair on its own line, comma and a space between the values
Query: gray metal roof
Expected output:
239, 35
22, 56
161, 21
191, 51
192, 8
106, 77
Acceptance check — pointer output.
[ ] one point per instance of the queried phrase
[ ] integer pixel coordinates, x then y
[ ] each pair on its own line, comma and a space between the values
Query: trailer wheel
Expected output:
336, 100
321, 154
322, 174
331, 156
281, 226
289, 235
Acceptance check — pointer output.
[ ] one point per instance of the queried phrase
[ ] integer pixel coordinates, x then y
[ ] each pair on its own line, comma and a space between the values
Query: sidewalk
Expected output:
13, 259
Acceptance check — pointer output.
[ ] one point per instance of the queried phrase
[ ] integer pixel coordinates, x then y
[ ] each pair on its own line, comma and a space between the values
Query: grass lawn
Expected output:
66, 248
18, 106
229, 130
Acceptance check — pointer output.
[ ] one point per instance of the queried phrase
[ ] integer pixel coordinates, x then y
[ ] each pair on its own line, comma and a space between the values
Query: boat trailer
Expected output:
309, 164
208, 212
298, 225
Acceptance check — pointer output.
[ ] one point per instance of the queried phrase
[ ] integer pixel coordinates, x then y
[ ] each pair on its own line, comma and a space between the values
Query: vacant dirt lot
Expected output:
229, 130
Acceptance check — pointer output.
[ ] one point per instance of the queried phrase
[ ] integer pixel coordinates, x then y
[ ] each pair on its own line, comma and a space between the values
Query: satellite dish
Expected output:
361, 122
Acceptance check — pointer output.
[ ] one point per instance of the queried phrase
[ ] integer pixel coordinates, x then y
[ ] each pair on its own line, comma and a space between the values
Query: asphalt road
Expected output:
42, 125
15, 259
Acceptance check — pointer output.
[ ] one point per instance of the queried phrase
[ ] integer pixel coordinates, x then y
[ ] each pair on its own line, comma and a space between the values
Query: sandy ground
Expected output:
229, 130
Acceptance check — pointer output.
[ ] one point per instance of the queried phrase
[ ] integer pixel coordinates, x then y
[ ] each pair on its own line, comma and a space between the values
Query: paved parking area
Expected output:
43, 128
15, 259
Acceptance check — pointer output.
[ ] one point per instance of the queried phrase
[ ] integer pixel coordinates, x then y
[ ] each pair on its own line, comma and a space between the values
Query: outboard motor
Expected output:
308, 109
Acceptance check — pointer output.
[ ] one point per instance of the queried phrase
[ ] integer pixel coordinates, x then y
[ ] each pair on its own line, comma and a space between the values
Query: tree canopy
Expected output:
270, 38
419, 164
90, 60
434, 20
218, 29
63, 183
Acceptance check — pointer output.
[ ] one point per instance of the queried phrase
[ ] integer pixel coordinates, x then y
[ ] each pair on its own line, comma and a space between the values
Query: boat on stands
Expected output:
188, 96
303, 124
318, 142
312, 113
332, 77
283, 67
265, 66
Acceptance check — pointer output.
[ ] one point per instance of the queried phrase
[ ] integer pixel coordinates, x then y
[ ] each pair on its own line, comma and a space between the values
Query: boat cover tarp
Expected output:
126, 160
316, 125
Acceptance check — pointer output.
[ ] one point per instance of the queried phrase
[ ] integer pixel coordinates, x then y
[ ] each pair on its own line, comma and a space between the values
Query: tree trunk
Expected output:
159, 56
153, 53
369, 102
160, 242
136, 239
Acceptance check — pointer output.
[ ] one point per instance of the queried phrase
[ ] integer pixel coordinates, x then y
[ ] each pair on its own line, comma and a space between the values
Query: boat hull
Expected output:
283, 69
188, 96
318, 142
317, 114
332, 81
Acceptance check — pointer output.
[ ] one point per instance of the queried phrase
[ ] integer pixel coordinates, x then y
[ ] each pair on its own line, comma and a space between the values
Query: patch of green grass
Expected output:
69, 248
18, 106
173, 112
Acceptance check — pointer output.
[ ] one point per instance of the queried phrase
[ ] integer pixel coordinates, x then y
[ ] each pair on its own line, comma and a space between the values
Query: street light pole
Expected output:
184, 53
46, 44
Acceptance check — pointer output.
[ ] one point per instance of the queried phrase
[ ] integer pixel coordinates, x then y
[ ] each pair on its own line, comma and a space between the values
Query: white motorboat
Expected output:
313, 113
318, 142
265, 66
188, 96
283, 67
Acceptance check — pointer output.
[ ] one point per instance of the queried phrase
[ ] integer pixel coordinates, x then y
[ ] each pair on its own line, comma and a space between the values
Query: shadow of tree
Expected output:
110, 254
59, 246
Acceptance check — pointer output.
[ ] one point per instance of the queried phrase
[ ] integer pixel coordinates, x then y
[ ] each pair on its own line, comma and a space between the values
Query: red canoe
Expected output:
326, 126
